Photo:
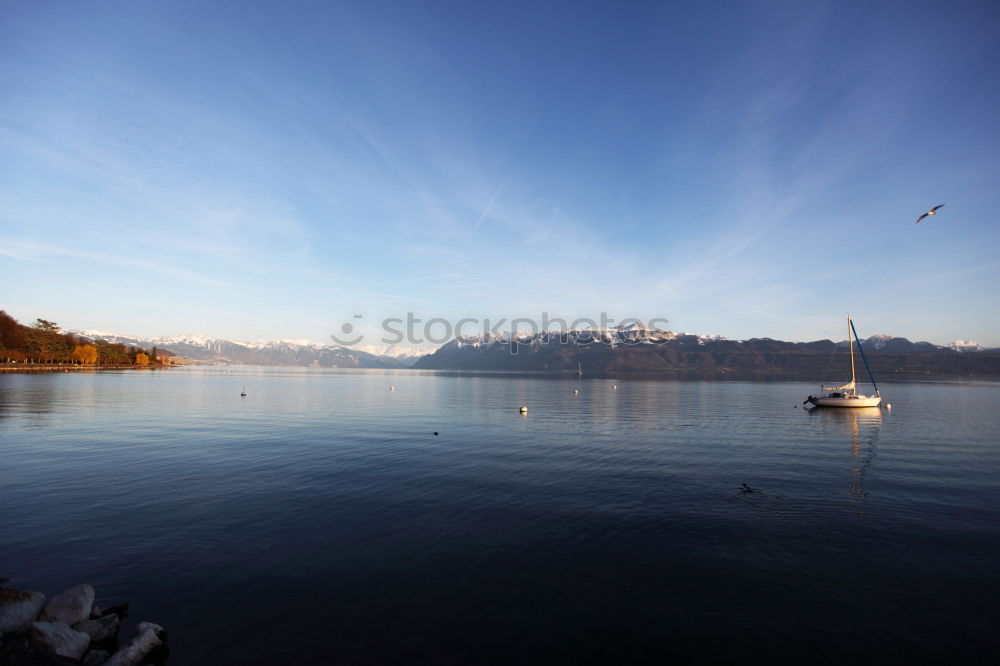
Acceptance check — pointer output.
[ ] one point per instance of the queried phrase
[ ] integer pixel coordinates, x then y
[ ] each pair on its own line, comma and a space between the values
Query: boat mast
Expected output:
851, 343
864, 358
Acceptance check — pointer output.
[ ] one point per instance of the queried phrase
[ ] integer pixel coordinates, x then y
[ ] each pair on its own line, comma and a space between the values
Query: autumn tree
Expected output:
12, 338
86, 354
44, 342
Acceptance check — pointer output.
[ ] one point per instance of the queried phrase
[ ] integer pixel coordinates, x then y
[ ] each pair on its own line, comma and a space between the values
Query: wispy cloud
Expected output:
486, 210
33, 251
450, 173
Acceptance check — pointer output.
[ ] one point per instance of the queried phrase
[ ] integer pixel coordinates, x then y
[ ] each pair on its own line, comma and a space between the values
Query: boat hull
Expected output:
847, 401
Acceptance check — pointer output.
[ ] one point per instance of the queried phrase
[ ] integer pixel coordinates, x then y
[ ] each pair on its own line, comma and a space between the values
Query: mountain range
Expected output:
662, 352
272, 352
626, 349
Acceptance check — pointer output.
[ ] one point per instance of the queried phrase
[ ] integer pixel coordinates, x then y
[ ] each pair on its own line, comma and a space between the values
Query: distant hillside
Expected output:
273, 352
670, 354
629, 350
45, 343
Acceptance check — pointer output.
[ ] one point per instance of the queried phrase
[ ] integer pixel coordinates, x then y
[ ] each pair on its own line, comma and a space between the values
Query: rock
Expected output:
71, 606
147, 645
143, 626
95, 658
57, 638
18, 609
100, 629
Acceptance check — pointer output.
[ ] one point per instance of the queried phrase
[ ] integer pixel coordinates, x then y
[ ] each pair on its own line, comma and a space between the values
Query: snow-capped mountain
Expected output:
637, 349
405, 355
636, 333
878, 341
891, 343
966, 346
113, 338
300, 352
632, 348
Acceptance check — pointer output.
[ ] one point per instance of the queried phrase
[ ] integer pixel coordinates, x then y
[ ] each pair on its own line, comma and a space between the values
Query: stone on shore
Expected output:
71, 606
18, 609
72, 629
143, 626
100, 629
148, 644
57, 638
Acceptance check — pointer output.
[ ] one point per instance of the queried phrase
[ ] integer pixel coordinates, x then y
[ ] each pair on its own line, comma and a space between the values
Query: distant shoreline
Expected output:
680, 375
622, 375
66, 367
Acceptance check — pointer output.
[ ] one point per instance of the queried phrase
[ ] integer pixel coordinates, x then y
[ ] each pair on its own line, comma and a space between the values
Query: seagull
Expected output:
930, 212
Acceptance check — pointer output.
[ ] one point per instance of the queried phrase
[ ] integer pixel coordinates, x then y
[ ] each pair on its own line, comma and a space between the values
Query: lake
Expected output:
320, 519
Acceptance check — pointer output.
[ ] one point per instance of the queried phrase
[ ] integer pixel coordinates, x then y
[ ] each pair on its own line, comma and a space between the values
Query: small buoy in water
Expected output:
888, 405
575, 391
392, 388
524, 410
615, 387
435, 433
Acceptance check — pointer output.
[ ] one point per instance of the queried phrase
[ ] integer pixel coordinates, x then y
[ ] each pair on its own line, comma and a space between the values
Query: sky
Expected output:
254, 170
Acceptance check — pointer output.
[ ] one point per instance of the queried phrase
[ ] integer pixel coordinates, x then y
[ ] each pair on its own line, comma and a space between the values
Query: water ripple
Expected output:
605, 525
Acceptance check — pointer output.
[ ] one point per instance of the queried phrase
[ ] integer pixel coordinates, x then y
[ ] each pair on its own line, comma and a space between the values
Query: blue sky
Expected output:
268, 170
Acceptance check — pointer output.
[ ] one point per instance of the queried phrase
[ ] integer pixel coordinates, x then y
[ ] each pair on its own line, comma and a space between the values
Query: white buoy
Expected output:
524, 410
888, 405
575, 391
615, 387
392, 388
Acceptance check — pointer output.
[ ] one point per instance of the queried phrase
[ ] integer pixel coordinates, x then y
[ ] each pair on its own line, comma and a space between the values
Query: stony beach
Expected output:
70, 628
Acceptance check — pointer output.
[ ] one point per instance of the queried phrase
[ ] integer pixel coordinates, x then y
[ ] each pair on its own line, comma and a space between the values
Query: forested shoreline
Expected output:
44, 343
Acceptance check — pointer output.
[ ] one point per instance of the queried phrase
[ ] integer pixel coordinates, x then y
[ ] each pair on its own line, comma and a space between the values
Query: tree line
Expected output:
44, 342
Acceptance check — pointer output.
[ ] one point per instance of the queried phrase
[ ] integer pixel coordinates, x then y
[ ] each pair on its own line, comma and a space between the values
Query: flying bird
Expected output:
930, 212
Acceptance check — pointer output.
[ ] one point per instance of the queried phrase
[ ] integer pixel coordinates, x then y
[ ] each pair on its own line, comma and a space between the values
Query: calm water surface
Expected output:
320, 520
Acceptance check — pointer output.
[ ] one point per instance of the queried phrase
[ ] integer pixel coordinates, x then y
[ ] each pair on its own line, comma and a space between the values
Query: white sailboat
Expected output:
847, 395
